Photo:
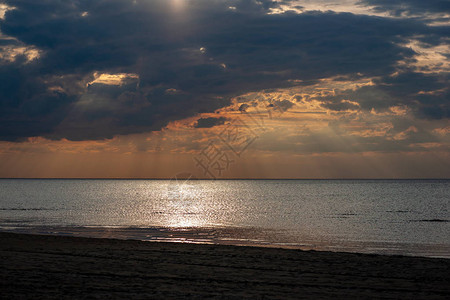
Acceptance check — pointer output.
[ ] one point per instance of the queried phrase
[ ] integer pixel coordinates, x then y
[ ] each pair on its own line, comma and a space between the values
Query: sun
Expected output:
178, 5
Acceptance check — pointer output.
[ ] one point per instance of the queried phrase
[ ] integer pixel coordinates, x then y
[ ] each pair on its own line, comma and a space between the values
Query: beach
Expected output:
60, 267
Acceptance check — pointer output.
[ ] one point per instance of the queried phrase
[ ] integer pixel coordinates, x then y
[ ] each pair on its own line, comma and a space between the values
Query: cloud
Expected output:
243, 107
356, 133
184, 60
209, 122
281, 105
341, 105
427, 95
408, 7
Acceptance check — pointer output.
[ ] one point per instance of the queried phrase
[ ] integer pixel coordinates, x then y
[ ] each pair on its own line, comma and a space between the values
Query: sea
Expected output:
392, 217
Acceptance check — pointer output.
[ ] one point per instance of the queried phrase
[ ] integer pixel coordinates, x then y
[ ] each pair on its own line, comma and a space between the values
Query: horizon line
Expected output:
212, 179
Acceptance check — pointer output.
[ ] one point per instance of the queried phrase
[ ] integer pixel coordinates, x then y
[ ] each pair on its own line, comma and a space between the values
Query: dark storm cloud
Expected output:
409, 7
27, 107
209, 122
189, 60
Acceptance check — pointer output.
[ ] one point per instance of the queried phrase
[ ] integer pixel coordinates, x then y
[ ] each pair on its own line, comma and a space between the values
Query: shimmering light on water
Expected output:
365, 216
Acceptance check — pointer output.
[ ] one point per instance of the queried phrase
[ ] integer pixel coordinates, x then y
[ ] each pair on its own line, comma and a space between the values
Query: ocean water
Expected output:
407, 217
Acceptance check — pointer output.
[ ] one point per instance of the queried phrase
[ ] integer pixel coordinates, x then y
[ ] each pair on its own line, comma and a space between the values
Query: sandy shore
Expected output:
34, 267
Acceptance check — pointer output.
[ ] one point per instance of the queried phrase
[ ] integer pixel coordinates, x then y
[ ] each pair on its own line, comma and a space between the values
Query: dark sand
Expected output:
34, 267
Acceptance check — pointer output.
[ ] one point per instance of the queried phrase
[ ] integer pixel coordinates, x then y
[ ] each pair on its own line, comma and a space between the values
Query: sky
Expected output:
225, 89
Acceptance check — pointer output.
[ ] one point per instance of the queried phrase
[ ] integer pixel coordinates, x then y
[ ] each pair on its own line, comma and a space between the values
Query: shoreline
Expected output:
237, 236
52, 266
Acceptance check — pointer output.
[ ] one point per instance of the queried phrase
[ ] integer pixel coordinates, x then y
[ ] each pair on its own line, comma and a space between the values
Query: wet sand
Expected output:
34, 266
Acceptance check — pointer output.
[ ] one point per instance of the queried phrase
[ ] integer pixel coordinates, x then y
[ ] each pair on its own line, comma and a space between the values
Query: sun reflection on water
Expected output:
185, 205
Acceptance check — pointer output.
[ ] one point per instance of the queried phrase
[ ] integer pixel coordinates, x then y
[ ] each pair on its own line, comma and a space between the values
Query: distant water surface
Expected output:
409, 217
